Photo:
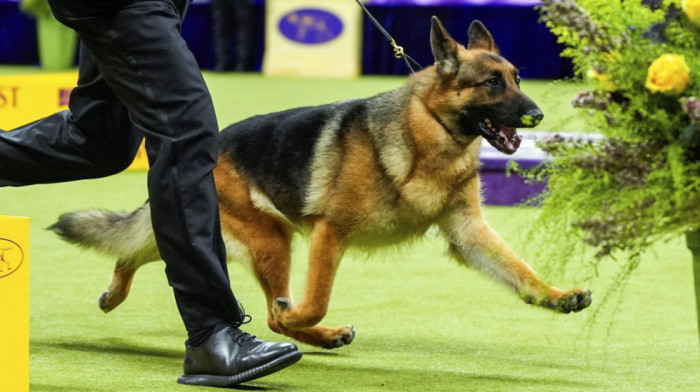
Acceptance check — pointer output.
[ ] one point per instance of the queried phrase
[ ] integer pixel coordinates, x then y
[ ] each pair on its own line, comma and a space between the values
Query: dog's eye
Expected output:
517, 80
493, 82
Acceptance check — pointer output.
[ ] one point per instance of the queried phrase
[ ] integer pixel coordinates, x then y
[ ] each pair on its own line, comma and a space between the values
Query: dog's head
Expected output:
477, 91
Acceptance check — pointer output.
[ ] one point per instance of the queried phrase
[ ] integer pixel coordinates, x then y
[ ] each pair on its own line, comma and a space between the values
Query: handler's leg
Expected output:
141, 55
143, 58
95, 138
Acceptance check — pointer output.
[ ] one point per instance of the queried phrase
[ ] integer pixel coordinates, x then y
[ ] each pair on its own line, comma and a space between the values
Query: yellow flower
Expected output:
668, 74
692, 10
604, 82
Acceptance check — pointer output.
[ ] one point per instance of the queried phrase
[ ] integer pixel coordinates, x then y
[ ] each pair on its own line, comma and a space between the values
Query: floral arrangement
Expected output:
640, 183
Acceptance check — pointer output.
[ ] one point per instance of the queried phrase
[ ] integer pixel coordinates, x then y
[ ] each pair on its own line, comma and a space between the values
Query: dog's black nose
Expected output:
532, 117
536, 113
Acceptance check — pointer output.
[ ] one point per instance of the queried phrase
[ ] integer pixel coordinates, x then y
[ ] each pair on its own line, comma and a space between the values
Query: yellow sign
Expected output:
27, 98
312, 38
14, 303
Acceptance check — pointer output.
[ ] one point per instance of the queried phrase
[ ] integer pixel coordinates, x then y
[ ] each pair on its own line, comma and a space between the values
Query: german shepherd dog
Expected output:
358, 173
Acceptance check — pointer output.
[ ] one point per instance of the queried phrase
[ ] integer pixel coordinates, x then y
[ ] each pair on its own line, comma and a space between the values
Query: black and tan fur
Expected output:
366, 172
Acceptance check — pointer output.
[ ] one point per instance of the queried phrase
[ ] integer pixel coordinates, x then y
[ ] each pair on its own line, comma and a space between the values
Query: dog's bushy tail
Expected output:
125, 235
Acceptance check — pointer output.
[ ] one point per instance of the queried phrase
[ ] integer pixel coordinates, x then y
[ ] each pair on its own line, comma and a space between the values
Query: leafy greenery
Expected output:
640, 183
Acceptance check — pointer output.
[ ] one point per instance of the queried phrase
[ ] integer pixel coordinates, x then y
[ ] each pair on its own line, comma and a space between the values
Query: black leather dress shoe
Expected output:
231, 356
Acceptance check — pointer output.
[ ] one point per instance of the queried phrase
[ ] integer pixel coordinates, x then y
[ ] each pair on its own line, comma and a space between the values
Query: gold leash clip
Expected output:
398, 50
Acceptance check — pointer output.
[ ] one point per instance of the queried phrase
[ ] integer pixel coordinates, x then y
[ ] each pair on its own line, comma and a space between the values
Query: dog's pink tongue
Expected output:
510, 138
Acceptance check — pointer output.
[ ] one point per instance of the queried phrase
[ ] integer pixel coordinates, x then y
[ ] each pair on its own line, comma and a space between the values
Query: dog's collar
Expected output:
436, 118
439, 120
454, 135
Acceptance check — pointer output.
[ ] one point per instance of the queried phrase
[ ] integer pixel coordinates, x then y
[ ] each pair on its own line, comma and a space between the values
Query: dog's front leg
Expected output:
475, 243
326, 251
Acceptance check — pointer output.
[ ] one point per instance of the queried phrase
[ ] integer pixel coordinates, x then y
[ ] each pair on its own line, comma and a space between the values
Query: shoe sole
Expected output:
251, 374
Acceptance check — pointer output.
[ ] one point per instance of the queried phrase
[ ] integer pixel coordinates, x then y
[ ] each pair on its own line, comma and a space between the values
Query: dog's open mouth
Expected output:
504, 138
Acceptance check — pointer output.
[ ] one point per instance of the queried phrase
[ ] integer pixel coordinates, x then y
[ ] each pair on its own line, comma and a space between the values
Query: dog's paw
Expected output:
345, 337
107, 301
573, 301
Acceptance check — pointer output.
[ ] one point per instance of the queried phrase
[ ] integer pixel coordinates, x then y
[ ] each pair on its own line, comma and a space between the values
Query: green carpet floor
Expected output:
423, 322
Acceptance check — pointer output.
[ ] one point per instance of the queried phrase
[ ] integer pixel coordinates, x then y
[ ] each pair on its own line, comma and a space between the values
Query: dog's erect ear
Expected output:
443, 46
480, 38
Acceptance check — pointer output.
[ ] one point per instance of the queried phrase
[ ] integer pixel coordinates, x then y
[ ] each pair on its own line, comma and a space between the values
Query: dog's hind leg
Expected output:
128, 236
124, 272
119, 287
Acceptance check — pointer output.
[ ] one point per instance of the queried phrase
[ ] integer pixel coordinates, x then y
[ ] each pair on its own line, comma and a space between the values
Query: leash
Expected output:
399, 52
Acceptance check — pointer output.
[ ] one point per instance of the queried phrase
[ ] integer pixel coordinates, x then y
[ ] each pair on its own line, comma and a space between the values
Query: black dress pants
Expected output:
137, 79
